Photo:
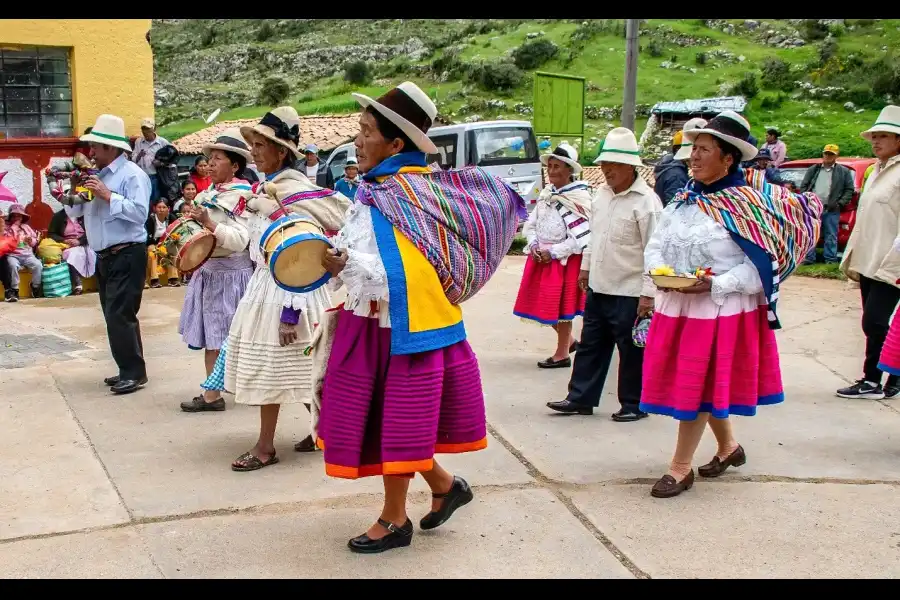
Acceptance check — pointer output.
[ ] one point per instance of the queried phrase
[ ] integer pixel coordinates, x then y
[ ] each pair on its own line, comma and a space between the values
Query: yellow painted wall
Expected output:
111, 64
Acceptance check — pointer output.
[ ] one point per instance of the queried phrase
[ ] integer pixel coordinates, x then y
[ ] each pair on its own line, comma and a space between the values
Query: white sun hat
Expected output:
684, 152
280, 125
888, 121
230, 140
410, 109
109, 130
620, 146
563, 153
730, 127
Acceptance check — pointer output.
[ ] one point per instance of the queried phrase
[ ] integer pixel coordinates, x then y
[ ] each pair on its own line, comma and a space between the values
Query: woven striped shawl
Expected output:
462, 220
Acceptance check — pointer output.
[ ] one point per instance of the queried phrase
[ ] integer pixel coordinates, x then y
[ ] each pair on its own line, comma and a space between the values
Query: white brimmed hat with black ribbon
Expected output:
230, 140
729, 127
888, 122
566, 154
684, 152
620, 146
410, 109
280, 125
109, 130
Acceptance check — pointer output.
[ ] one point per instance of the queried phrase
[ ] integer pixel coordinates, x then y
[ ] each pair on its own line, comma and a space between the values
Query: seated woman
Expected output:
7, 245
558, 230
81, 259
157, 223
401, 382
23, 256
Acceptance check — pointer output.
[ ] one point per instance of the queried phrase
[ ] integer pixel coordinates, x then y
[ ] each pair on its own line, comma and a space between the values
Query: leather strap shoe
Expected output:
111, 381
397, 537
667, 487
570, 408
626, 415
716, 467
126, 386
459, 495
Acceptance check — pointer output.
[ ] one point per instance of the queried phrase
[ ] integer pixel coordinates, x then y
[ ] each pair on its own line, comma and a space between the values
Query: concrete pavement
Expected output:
102, 486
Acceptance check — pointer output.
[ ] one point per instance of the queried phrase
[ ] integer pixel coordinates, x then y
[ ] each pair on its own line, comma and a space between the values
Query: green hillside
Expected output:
797, 75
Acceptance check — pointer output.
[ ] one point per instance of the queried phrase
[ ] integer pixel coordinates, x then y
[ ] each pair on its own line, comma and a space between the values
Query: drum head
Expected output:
196, 251
300, 265
285, 229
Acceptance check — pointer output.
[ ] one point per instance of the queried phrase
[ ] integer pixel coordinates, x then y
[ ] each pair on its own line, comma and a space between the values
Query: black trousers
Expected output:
879, 301
120, 277
5, 274
608, 321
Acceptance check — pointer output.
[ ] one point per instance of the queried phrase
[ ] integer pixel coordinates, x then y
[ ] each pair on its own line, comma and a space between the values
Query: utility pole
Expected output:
631, 63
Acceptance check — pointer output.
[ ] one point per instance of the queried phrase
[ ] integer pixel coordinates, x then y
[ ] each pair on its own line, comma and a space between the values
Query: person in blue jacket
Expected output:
672, 171
350, 181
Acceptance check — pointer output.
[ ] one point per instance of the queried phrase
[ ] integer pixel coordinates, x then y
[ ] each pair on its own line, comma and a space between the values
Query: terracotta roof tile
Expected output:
327, 132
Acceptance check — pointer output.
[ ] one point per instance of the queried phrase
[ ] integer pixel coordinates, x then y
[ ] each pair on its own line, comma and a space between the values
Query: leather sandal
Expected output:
667, 487
307, 444
549, 363
458, 495
716, 467
252, 463
397, 537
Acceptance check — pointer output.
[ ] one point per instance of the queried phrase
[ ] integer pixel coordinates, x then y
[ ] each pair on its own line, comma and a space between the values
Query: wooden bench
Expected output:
89, 284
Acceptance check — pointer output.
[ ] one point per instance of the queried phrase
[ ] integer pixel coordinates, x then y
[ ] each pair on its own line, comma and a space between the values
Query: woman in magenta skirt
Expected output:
557, 231
711, 350
401, 382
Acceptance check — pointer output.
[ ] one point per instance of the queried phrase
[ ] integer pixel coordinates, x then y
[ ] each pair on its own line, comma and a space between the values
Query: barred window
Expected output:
35, 93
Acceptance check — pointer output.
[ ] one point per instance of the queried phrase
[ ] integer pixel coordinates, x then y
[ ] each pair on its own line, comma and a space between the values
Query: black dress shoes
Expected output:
460, 494
397, 537
111, 381
626, 415
126, 386
570, 408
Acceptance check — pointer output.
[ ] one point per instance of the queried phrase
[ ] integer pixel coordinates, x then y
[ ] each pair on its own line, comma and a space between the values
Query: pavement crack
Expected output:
87, 437
566, 501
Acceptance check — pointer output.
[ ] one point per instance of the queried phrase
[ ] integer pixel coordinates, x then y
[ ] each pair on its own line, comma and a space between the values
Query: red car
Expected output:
795, 170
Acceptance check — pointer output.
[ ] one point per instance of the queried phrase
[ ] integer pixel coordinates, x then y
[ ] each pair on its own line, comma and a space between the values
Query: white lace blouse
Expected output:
363, 275
686, 239
546, 229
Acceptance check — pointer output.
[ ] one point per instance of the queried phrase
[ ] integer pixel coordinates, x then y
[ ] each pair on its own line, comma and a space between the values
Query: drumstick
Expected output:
272, 191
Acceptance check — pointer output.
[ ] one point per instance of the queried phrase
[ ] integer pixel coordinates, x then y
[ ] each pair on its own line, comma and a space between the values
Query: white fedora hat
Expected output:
564, 153
620, 146
109, 130
410, 109
230, 140
888, 122
280, 125
684, 152
730, 127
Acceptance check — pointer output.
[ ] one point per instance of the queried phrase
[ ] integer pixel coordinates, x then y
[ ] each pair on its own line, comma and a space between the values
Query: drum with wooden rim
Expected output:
193, 242
293, 246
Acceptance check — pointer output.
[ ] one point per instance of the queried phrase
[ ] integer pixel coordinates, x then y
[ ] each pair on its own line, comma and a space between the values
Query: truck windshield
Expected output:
505, 146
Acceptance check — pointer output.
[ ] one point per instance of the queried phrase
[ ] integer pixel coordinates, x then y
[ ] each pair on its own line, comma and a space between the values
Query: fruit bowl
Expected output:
673, 282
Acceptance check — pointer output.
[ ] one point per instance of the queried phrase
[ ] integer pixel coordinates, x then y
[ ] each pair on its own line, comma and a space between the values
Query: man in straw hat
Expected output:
872, 255
671, 173
114, 222
624, 214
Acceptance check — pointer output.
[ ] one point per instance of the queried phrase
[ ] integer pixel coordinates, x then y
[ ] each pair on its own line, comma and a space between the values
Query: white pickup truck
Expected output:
507, 149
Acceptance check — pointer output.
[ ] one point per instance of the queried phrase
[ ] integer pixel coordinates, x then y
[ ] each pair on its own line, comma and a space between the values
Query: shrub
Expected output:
747, 86
814, 30
534, 53
498, 76
776, 74
700, 58
394, 69
836, 30
274, 91
773, 102
264, 32
208, 37
864, 22
863, 96
887, 77
357, 72
827, 50
655, 48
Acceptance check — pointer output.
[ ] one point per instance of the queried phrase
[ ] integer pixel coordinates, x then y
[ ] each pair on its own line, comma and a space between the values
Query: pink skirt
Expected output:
702, 357
549, 292
890, 352
389, 415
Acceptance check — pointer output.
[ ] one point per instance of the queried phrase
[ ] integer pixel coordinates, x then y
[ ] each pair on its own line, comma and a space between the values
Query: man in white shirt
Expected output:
144, 154
313, 168
625, 211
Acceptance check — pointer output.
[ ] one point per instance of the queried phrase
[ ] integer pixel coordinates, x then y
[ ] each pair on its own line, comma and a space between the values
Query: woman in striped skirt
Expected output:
217, 287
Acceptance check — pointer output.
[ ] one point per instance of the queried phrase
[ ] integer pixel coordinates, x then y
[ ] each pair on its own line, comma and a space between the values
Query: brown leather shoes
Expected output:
716, 467
667, 487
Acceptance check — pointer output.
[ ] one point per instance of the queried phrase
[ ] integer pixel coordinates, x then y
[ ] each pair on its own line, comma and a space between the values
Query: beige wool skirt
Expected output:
258, 370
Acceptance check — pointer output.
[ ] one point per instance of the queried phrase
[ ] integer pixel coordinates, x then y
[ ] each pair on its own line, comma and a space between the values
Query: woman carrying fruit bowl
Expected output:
557, 231
713, 338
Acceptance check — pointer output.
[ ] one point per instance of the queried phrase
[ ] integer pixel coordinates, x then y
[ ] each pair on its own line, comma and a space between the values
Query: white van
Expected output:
506, 149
